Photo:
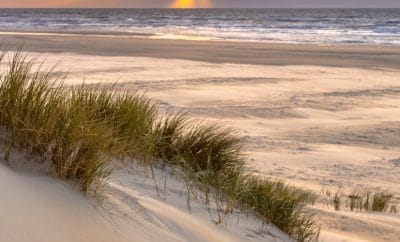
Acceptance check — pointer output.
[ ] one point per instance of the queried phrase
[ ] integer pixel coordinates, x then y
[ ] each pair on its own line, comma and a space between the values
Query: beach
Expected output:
318, 117
253, 53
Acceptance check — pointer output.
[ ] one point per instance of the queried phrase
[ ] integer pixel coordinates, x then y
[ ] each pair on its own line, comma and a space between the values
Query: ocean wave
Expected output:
326, 26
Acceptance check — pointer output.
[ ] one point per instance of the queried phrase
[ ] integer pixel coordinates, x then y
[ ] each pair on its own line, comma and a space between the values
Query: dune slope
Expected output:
35, 207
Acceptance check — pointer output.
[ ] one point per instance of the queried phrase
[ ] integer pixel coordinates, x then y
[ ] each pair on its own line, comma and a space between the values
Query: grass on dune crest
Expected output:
41, 118
78, 130
130, 115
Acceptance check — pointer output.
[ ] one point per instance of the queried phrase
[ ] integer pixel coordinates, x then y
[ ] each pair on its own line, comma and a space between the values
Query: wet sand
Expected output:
207, 51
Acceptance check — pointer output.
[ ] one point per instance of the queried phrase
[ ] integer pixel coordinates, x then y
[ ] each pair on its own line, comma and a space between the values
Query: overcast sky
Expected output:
203, 3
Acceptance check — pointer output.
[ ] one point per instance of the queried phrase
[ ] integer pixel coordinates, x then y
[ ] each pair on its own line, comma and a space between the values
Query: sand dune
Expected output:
36, 207
133, 206
316, 117
316, 127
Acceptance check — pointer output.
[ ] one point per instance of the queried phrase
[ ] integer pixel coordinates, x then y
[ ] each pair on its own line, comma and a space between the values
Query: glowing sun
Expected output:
191, 3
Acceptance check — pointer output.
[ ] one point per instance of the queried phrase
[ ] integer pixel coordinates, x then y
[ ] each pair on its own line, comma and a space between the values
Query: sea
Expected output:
301, 26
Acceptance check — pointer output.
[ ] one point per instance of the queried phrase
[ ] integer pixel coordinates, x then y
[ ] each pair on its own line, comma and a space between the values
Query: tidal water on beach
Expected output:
318, 26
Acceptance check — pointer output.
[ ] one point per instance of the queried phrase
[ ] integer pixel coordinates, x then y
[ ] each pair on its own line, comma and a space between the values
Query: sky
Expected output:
203, 3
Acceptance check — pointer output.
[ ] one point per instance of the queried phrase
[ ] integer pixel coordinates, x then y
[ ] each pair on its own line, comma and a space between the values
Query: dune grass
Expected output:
41, 118
77, 130
381, 201
282, 205
369, 200
365, 199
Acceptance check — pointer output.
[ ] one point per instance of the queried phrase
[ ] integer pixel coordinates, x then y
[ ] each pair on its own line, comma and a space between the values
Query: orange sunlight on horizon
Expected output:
191, 3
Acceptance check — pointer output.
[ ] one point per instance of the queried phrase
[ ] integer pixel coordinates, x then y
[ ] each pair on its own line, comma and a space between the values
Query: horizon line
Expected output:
200, 8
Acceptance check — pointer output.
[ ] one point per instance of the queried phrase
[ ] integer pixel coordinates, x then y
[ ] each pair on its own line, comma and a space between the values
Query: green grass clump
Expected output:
197, 146
210, 153
369, 200
364, 200
215, 163
355, 200
42, 119
281, 205
209, 147
381, 201
78, 130
130, 115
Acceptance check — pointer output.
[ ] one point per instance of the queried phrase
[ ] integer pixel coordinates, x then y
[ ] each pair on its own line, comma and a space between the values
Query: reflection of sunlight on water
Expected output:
191, 3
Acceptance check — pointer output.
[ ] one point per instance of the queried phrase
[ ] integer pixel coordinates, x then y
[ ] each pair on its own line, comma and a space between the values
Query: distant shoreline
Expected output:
207, 51
325, 26
178, 37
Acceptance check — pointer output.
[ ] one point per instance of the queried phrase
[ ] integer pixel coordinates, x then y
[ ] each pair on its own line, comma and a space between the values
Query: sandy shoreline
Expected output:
208, 51
318, 117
